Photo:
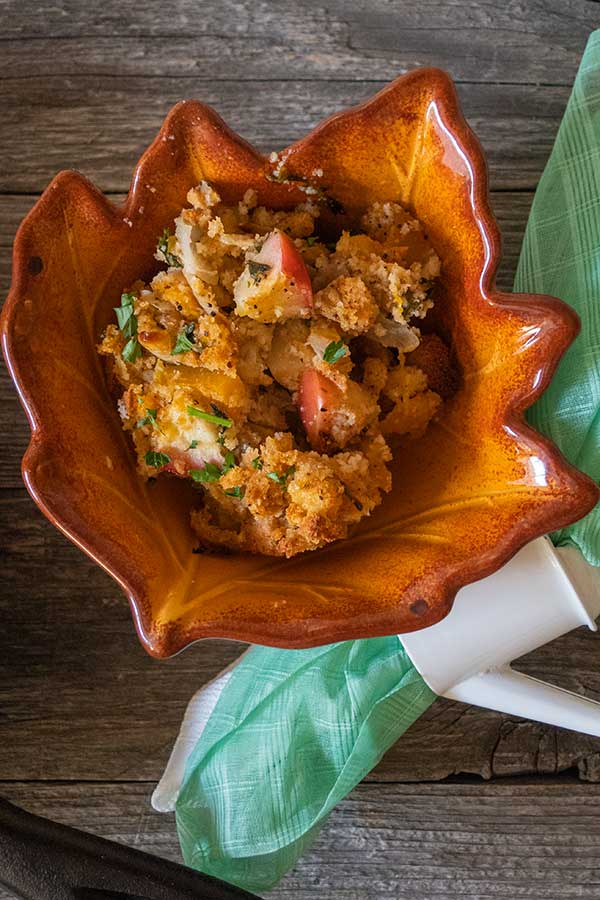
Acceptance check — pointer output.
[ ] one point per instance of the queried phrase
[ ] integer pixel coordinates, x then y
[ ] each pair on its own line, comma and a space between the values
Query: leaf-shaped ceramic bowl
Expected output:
466, 496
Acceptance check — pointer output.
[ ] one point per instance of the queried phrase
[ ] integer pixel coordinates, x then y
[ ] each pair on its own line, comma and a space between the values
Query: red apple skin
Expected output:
280, 252
283, 291
318, 398
180, 463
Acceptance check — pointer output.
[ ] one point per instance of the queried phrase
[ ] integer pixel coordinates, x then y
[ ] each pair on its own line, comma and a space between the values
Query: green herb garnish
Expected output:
162, 250
193, 445
156, 460
216, 420
149, 419
185, 340
331, 246
282, 479
312, 240
211, 472
237, 491
127, 321
208, 474
131, 351
257, 270
229, 461
334, 352
257, 463
125, 315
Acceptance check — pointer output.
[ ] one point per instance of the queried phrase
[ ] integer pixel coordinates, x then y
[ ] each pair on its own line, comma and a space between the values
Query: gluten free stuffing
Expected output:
272, 369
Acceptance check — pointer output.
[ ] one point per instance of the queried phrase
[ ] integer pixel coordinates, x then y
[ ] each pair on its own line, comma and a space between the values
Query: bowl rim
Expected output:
176, 639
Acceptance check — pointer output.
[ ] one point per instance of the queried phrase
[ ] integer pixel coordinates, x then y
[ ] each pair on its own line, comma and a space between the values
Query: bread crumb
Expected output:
268, 366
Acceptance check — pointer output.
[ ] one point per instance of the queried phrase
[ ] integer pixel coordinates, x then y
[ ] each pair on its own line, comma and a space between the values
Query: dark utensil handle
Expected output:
43, 860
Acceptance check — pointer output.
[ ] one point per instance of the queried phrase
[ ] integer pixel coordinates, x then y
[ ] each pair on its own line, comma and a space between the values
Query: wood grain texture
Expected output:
535, 840
86, 718
538, 42
100, 124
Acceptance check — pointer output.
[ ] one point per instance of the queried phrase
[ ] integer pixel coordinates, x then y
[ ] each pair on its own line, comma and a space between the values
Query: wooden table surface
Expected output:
469, 804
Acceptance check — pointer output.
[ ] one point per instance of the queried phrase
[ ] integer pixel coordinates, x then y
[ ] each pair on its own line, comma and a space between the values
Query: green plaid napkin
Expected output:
291, 734
293, 731
561, 256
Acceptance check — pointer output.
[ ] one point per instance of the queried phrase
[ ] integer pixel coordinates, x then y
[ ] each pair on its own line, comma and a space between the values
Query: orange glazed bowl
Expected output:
466, 496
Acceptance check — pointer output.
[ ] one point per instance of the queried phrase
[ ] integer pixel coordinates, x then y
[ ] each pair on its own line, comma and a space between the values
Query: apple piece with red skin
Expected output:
318, 398
333, 417
181, 463
280, 252
275, 283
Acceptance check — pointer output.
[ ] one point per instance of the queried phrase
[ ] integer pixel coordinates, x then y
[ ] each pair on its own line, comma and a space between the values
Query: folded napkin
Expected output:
269, 747
561, 256
277, 741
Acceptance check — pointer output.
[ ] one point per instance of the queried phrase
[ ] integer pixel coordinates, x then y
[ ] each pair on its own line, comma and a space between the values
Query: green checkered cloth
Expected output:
293, 731
561, 256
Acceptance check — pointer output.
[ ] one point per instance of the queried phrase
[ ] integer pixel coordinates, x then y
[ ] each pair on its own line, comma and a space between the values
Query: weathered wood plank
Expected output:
86, 86
68, 649
286, 40
474, 841
100, 124
80, 699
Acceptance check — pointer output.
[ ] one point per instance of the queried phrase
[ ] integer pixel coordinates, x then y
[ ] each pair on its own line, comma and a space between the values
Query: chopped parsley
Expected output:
257, 463
156, 460
312, 240
132, 350
125, 315
193, 445
149, 419
282, 479
211, 472
127, 322
163, 252
334, 351
257, 270
216, 420
185, 340
237, 491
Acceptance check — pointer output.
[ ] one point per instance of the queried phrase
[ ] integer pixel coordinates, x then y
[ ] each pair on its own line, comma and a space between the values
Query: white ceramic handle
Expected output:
537, 596
520, 695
